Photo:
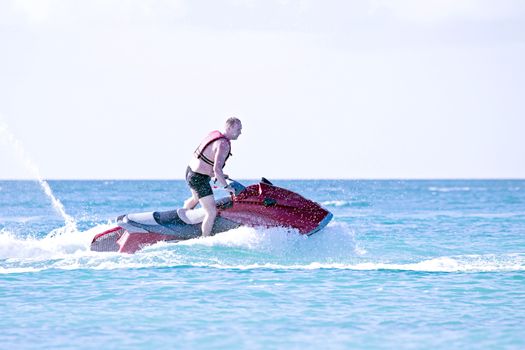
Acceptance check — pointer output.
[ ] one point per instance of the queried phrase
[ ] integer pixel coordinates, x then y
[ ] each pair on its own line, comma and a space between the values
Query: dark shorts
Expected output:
198, 182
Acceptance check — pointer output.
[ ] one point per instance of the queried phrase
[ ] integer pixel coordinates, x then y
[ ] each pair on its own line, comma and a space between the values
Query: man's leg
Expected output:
208, 203
191, 202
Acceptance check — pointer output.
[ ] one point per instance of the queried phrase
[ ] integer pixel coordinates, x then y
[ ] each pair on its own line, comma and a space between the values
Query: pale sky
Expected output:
126, 89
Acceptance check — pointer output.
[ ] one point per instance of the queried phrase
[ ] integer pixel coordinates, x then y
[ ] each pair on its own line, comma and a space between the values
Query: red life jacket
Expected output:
212, 137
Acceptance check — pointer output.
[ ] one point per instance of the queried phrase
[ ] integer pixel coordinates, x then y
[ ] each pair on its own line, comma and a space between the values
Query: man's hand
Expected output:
229, 189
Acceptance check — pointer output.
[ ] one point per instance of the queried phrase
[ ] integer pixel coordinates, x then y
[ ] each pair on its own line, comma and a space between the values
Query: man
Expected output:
207, 162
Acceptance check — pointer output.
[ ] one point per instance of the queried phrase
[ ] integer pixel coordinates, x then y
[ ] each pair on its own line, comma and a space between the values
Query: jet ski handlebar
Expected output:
238, 187
235, 185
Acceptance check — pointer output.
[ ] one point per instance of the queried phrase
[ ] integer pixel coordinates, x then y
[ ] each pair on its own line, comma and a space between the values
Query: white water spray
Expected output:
10, 139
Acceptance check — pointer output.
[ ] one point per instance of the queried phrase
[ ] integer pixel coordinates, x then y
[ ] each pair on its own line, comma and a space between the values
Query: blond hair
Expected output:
230, 122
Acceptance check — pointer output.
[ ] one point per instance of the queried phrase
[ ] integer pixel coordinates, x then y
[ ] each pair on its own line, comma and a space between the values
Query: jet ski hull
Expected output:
257, 205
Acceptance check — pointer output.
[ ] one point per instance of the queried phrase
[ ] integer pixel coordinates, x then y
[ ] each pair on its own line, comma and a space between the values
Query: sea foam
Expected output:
336, 247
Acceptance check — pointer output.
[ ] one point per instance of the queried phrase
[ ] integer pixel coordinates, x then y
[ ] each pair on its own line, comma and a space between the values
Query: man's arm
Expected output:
220, 157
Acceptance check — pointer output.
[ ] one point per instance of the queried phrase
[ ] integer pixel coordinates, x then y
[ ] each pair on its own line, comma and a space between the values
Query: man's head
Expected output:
232, 128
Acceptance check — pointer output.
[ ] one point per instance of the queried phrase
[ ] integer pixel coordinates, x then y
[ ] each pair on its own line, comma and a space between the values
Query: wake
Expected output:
333, 248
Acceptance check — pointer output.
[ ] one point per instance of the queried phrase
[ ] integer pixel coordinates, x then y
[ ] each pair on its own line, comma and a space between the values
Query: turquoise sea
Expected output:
403, 265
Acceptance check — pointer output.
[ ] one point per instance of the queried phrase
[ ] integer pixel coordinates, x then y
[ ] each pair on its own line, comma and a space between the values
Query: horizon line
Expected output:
288, 179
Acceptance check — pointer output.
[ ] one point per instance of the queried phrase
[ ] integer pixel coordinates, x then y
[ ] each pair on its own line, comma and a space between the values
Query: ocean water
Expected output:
403, 264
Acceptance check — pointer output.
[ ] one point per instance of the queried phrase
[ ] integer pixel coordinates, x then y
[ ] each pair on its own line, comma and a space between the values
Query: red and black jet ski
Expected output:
261, 204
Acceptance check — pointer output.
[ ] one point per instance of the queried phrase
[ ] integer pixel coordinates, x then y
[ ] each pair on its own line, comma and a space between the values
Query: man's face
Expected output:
236, 130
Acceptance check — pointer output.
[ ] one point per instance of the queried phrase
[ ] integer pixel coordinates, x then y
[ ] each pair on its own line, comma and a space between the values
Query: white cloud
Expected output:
434, 11
59, 12
34, 10
178, 8
419, 11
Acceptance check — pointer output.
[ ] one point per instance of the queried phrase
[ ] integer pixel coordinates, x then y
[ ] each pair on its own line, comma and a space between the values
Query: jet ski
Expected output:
258, 205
